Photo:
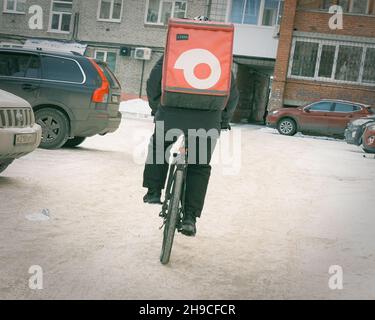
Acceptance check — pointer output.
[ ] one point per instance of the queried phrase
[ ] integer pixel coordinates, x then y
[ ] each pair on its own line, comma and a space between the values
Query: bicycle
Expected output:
174, 203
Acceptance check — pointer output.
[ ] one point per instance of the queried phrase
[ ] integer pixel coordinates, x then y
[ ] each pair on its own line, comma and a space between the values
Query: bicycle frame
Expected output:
177, 161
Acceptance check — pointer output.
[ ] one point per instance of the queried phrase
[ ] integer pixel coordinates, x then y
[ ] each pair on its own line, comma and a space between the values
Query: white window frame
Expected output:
110, 19
260, 16
14, 11
60, 20
105, 55
351, 5
160, 9
350, 9
337, 44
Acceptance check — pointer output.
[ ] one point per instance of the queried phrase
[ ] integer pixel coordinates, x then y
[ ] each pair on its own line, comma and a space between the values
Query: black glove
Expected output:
225, 126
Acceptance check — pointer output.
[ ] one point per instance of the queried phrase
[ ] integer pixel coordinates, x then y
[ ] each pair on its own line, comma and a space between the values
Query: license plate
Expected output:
29, 138
115, 99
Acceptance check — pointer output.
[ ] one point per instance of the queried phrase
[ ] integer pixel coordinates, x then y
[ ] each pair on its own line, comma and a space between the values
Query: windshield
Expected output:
114, 83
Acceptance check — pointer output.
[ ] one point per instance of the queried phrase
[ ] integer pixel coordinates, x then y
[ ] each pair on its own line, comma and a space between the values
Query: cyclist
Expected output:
198, 172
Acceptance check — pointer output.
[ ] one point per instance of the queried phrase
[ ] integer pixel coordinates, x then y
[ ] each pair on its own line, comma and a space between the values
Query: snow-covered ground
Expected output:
298, 206
135, 108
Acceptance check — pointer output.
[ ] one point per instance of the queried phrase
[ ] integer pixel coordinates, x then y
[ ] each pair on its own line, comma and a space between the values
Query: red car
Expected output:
368, 138
325, 117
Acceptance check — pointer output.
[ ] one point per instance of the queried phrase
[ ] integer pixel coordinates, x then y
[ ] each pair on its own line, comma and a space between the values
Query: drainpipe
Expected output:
75, 26
209, 6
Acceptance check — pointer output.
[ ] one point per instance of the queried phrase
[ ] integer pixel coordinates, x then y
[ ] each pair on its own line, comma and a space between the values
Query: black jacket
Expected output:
175, 117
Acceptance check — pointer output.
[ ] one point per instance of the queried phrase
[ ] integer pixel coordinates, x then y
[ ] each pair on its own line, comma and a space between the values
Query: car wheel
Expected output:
4, 164
55, 128
287, 126
76, 141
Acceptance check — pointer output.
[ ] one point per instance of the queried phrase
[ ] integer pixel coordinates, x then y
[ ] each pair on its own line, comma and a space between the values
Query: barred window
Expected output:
348, 6
315, 4
326, 61
369, 67
333, 61
348, 63
304, 59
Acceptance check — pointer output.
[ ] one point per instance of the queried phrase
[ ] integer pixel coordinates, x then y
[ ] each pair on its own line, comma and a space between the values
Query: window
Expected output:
19, 65
348, 63
245, 11
270, 12
15, 6
61, 14
256, 12
304, 60
159, 11
369, 67
110, 10
316, 4
348, 6
108, 57
333, 61
321, 106
356, 6
359, 6
326, 61
61, 69
344, 107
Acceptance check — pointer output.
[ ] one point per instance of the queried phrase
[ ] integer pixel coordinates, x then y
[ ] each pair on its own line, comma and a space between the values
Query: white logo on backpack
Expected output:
192, 58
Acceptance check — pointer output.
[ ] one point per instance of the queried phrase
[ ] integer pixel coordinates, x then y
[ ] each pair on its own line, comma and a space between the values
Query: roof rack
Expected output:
76, 53
19, 46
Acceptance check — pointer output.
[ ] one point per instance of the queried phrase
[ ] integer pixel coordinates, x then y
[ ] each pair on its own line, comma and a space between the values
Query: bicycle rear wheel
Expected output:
172, 217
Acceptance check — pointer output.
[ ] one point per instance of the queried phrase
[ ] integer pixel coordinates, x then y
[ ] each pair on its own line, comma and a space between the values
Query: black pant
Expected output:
198, 171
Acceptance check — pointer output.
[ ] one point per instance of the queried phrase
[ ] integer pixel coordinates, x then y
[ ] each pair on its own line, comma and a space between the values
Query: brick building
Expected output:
316, 60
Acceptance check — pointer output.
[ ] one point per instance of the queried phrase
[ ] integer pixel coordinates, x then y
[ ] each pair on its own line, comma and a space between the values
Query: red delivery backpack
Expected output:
197, 64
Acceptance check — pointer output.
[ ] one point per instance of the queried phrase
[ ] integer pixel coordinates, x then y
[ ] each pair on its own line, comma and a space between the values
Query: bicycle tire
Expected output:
173, 211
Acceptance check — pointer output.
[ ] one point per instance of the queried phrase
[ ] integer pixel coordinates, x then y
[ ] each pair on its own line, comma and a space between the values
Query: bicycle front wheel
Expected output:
172, 217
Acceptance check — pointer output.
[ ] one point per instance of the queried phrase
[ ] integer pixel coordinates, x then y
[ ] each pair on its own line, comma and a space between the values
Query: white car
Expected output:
19, 134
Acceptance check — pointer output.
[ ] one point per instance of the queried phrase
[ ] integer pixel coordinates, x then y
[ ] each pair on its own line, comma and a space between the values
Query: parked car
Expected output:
354, 131
19, 134
73, 96
324, 117
368, 139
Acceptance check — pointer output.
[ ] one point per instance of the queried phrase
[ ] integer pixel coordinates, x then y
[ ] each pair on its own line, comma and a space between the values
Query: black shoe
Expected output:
152, 197
188, 227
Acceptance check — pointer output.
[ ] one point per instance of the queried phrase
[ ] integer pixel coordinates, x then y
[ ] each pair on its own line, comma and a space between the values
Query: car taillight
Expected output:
101, 94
